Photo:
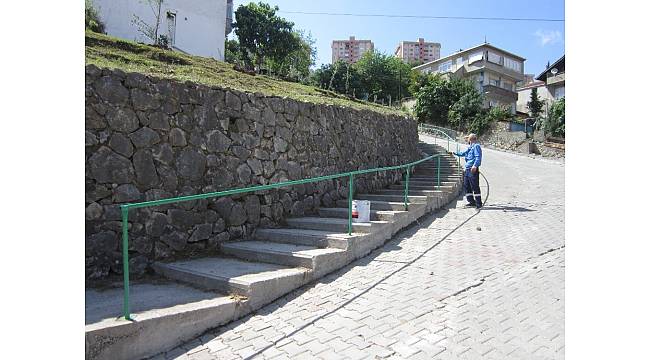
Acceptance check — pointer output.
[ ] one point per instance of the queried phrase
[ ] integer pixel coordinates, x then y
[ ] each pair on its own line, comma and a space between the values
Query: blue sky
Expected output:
538, 42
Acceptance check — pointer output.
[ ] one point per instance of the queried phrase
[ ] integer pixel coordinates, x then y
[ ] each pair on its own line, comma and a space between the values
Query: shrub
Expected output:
554, 122
93, 22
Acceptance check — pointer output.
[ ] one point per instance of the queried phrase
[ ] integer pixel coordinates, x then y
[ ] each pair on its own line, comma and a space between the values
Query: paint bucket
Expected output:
360, 211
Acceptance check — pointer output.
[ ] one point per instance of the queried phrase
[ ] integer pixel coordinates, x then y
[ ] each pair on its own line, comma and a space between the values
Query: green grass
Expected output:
109, 52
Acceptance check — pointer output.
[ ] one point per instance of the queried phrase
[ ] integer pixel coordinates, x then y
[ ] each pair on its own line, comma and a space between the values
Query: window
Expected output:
445, 67
494, 58
559, 92
512, 64
494, 81
507, 85
476, 57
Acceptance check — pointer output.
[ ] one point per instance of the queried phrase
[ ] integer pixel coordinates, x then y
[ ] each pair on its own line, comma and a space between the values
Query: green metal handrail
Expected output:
435, 129
126, 207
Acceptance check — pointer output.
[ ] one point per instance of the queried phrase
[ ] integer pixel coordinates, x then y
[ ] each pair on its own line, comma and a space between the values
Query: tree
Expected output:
93, 22
232, 53
554, 123
535, 105
454, 102
340, 77
295, 65
263, 35
151, 30
467, 111
385, 77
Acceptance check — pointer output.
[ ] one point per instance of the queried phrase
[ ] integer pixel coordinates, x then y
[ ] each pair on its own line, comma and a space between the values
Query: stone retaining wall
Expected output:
149, 138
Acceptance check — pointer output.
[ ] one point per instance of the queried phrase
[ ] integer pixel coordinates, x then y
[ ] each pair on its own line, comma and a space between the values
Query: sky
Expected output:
538, 42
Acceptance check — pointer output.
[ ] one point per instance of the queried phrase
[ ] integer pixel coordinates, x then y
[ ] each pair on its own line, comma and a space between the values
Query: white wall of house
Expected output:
523, 97
199, 27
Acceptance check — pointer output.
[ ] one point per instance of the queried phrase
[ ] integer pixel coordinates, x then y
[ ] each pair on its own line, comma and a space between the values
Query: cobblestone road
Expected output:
460, 285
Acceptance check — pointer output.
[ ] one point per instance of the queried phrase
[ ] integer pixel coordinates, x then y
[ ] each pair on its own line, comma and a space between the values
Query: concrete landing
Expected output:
165, 314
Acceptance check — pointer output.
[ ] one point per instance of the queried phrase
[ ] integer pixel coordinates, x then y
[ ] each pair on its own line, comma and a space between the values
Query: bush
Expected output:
554, 122
93, 22
454, 102
499, 113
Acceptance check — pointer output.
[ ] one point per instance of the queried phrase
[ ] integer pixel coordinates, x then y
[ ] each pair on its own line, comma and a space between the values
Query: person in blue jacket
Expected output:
473, 156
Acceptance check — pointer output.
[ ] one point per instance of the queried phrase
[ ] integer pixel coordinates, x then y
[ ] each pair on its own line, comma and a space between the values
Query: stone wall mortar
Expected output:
150, 138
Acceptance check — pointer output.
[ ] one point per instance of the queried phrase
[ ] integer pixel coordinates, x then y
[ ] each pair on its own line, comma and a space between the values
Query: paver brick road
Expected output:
461, 284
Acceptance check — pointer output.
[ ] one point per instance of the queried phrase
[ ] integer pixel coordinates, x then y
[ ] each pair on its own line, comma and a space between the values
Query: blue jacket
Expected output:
473, 155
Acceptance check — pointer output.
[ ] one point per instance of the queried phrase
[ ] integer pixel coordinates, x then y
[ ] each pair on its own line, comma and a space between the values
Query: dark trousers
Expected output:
472, 190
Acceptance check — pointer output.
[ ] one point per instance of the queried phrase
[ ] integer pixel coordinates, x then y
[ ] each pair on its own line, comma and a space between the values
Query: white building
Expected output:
197, 27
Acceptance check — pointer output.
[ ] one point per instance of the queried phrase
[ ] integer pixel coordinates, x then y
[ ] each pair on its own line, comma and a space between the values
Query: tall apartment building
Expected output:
495, 72
418, 51
350, 50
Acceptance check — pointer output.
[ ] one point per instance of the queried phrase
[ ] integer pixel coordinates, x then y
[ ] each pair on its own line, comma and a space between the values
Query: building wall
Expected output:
523, 97
353, 48
149, 138
485, 66
418, 51
200, 24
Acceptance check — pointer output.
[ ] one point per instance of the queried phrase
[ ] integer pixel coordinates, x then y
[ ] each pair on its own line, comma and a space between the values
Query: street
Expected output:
460, 285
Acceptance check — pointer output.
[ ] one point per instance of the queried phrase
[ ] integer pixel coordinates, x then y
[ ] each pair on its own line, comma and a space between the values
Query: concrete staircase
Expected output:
276, 261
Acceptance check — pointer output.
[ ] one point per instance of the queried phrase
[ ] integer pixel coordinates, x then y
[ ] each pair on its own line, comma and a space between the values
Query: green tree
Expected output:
295, 65
263, 35
385, 77
554, 122
233, 53
535, 105
467, 111
93, 22
437, 95
455, 102
340, 77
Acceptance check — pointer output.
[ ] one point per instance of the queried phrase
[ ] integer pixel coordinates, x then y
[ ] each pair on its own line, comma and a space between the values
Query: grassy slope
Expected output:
110, 52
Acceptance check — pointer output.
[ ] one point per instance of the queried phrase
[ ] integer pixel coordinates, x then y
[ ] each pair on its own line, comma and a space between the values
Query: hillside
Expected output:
110, 52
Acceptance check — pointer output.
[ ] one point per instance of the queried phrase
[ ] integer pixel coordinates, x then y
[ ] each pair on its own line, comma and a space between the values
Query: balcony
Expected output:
557, 79
495, 91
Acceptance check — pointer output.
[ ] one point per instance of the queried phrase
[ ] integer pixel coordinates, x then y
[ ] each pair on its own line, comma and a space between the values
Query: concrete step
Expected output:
382, 205
417, 181
315, 238
390, 198
425, 186
435, 178
414, 192
260, 282
375, 215
284, 254
332, 224
435, 174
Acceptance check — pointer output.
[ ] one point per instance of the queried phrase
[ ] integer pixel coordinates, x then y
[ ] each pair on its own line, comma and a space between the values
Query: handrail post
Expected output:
350, 193
406, 188
438, 188
125, 259
457, 150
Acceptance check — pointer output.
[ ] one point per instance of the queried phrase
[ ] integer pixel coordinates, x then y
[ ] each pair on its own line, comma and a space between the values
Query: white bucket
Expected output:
360, 211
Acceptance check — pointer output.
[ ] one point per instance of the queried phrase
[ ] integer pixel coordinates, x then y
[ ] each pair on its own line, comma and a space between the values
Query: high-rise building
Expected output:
350, 50
418, 51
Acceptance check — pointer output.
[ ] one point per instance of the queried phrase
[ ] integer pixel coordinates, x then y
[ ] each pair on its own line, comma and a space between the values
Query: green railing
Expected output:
434, 130
126, 207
